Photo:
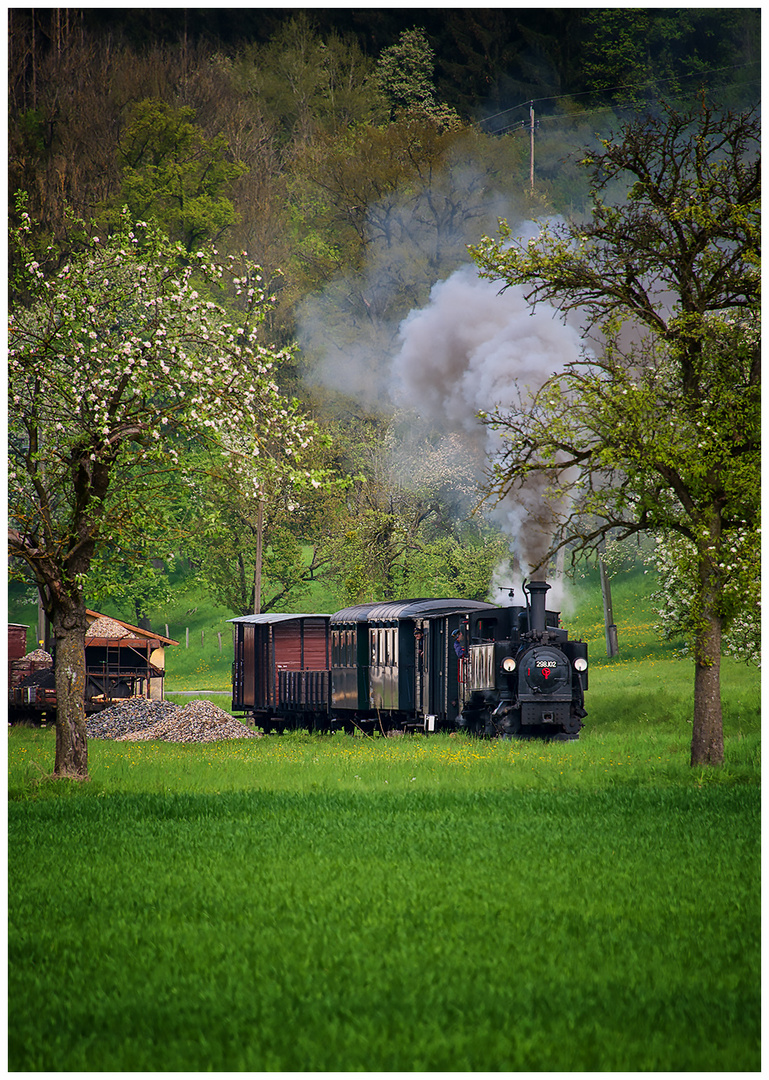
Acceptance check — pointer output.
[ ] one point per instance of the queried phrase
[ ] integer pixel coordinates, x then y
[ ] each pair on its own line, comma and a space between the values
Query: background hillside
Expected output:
202, 666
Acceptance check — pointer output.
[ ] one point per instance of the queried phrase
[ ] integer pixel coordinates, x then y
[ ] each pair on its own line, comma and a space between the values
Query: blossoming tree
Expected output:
124, 354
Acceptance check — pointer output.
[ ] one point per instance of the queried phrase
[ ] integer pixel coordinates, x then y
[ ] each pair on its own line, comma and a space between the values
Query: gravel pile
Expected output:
39, 656
104, 627
200, 721
137, 719
133, 714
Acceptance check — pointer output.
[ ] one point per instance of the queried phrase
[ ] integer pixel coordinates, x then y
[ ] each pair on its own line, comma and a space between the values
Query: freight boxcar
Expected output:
280, 672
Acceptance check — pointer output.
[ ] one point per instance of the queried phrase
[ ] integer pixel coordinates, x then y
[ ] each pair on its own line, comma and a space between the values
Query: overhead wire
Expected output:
652, 83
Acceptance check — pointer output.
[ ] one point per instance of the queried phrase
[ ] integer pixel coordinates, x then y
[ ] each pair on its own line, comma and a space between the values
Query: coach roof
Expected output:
356, 613
407, 609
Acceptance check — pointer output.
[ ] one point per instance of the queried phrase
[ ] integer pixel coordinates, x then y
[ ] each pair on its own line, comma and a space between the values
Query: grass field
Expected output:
305, 903
315, 904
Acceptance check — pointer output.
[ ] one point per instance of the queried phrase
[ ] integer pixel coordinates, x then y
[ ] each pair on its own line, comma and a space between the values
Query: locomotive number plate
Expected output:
547, 663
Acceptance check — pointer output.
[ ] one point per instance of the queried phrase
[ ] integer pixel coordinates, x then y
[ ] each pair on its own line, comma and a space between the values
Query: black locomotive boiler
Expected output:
414, 665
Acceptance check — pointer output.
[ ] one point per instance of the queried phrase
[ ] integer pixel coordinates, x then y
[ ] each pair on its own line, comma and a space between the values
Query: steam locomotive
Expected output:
414, 665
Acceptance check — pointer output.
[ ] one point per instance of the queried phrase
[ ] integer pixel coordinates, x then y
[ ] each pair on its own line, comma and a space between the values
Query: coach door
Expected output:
421, 646
383, 646
436, 659
247, 662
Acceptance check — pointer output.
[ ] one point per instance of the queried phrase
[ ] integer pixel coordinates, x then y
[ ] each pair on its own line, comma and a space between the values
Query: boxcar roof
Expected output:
268, 617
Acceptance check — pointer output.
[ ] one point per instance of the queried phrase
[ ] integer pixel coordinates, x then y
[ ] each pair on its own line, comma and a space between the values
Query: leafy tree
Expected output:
252, 527
452, 566
309, 83
405, 524
111, 359
404, 74
662, 434
173, 173
132, 574
675, 559
296, 95
626, 53
62, 143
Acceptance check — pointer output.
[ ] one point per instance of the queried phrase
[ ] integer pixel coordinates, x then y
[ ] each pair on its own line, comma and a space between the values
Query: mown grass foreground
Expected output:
321, 904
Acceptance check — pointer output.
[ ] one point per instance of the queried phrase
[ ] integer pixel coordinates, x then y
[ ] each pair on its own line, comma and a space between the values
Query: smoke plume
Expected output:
469, 348
472, 348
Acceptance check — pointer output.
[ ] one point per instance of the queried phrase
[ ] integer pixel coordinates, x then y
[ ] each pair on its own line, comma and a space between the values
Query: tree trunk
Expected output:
707, 728
69, 627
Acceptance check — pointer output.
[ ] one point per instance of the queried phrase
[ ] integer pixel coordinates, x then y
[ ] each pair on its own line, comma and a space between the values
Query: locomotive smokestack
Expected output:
537, 590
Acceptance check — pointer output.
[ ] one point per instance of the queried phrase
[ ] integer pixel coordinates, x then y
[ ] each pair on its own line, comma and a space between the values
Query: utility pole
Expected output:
531, 129
532, 125
258, 560
612, 645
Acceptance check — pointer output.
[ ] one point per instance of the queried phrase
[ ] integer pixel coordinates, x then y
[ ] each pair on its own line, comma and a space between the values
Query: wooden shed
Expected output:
122, 660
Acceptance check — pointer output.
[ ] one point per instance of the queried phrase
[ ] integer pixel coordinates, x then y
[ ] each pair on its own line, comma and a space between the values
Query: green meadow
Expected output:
337, 903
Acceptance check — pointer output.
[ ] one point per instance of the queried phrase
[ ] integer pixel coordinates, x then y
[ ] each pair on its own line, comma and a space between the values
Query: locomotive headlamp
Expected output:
580, 664
508, 664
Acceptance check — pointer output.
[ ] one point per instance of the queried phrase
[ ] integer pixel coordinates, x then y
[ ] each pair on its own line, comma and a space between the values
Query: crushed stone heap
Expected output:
104, 627
39, 656
137, 719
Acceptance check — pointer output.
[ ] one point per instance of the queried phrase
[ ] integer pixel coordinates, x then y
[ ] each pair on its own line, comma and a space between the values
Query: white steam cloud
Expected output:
473, 348
466, 350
